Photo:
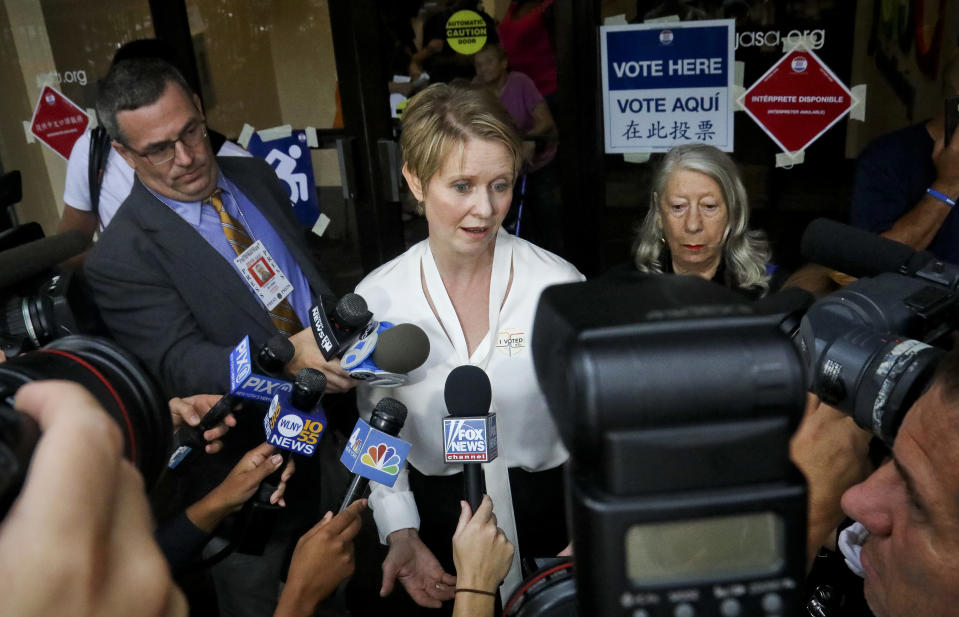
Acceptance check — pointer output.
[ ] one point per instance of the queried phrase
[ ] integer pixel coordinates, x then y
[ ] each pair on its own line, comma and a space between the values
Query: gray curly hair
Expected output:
745, 252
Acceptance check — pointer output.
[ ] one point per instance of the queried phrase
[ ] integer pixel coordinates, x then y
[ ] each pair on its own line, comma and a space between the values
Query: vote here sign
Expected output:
667, 84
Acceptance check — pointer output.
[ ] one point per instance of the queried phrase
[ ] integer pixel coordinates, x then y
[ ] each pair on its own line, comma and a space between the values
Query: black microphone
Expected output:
388, 416
275, 355
22, 262
857, 252
468, 394
336, 330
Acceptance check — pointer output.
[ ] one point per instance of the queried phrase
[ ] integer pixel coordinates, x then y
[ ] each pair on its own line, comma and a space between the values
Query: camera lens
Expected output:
892, 381
115, 379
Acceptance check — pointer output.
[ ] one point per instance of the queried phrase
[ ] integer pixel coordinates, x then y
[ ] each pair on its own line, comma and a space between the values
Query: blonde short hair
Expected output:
443, 117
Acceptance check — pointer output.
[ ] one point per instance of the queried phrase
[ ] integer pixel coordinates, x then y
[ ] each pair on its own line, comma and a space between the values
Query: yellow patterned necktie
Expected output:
283, 316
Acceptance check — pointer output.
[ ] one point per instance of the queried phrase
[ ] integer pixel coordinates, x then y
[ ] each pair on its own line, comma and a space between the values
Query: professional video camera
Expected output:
112, 376
43, 306
871, 347
40, 304
677, 400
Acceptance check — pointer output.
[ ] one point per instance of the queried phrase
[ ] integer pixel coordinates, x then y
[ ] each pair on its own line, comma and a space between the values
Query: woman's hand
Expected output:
417, 569
239, 485
481, 553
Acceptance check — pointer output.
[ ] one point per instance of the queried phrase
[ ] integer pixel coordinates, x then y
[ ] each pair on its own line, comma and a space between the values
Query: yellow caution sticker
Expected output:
466, 32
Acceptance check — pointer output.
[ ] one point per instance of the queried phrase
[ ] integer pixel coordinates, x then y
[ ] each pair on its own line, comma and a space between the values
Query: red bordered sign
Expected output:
57, 121
797, 100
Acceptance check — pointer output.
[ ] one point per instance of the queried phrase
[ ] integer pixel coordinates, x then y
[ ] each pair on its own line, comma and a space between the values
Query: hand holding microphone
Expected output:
239, 485
482, 555
244, 385
191, 410
355, 347
327, 337
469, 432
294, 423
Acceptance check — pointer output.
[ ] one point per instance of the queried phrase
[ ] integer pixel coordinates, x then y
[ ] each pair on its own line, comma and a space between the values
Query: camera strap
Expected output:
96, 166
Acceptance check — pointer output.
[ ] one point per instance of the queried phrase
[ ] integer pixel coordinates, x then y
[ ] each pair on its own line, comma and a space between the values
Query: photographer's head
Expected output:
910, 506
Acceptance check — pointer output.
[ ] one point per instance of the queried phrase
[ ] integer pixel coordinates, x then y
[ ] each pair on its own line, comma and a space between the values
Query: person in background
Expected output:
907, 182
698, 223
541, 217
526, 35
473, 289
116, 178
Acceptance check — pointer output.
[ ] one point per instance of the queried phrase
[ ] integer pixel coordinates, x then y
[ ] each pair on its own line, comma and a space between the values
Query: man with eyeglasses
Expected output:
90, 203
175, 277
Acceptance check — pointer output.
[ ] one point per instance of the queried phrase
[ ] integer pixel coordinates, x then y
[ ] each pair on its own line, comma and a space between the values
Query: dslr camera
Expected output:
677, 399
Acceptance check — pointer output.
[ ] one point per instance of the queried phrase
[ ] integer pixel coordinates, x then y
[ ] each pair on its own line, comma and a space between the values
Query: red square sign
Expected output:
58, 122
797, 100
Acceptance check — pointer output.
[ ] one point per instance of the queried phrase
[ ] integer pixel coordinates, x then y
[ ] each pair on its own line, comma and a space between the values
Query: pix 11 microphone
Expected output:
373, 451
385, 356
244, 385
469, 432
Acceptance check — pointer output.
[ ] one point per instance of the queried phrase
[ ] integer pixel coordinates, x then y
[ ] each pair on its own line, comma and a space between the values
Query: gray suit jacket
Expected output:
167, 296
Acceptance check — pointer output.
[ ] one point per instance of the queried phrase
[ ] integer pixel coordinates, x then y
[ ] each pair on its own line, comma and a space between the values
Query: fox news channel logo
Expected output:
470, 440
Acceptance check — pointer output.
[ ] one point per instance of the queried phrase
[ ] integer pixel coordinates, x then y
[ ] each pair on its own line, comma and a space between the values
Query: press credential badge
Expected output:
263, 275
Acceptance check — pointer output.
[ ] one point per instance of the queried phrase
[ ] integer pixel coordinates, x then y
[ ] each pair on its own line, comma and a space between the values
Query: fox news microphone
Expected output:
469, 432
857, 252
374, 452
384, 356
336, 330
244, 384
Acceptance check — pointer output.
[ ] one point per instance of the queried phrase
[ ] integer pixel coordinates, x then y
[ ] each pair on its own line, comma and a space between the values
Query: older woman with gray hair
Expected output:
698, 223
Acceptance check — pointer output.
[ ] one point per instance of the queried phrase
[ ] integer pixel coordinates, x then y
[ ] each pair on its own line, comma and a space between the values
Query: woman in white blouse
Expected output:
473, 289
